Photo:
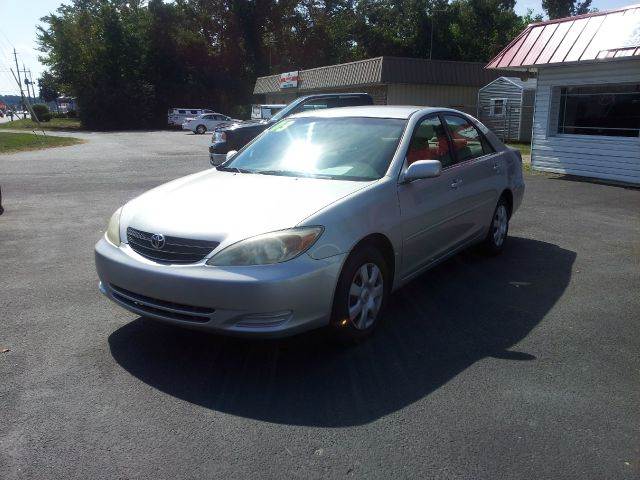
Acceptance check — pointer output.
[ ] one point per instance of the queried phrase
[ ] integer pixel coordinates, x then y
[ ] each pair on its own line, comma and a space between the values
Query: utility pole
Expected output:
19, 80
26, 104
33, 89
26, 82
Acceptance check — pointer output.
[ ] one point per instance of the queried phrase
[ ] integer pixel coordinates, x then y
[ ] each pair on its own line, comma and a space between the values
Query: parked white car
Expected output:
205, 122
177, 116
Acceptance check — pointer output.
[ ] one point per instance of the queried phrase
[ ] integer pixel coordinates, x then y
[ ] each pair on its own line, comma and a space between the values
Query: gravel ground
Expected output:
521, 366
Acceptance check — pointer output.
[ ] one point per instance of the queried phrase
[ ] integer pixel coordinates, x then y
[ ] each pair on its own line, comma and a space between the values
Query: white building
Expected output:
506, 107
587, 107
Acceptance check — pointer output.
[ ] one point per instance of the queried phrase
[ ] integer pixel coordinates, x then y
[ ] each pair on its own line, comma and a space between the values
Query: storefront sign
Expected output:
289, 80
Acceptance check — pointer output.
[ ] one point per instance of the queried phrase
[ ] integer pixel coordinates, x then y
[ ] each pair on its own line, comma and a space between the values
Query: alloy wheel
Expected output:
500, 225
365, 296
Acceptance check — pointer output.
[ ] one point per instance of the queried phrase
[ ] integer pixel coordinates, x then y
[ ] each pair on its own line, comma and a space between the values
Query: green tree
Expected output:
49, 87
565, 8
127, 61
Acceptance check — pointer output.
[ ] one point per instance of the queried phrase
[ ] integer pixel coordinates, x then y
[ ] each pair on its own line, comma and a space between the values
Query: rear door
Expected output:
479, 169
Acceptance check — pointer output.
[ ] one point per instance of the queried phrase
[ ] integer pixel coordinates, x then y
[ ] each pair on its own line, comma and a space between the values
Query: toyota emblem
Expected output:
157, 240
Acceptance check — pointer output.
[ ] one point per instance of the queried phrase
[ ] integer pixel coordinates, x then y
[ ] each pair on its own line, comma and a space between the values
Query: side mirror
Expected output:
422, 169
230, 154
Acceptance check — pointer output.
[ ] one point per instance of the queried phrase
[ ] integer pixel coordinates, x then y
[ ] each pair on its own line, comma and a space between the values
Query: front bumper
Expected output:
262, 301
186, 126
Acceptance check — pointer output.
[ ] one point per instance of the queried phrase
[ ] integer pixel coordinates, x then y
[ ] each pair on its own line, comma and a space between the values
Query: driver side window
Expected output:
430, 142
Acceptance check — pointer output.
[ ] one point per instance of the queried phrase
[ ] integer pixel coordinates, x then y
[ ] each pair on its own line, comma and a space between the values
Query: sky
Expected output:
18, 20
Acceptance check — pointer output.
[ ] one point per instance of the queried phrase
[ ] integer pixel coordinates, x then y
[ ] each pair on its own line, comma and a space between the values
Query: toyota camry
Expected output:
326, 213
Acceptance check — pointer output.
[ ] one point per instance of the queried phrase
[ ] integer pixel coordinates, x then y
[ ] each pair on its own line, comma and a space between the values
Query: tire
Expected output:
356, 313
201, 129
498, 230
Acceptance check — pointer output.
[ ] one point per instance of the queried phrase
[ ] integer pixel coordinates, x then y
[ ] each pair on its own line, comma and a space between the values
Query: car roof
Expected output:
373, 111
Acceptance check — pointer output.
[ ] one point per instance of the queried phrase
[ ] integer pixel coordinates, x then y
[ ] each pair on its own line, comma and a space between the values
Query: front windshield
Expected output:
350, 148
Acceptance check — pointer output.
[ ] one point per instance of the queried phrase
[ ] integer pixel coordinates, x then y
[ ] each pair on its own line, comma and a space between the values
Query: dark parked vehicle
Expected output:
236, 135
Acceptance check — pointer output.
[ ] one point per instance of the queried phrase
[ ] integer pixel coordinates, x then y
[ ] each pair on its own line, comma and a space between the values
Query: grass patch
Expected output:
525, 148
19, 142
63, 124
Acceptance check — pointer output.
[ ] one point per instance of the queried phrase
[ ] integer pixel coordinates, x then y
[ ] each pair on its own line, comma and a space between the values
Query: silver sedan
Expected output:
324, 215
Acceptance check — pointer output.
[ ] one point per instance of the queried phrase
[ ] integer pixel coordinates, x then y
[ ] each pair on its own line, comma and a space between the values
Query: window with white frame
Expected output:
609, 110
498, 107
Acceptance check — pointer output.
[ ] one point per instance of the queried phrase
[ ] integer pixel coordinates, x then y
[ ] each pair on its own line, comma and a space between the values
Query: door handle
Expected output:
496, 167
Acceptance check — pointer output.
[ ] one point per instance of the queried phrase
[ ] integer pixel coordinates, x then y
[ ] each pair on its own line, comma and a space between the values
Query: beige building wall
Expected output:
461, 98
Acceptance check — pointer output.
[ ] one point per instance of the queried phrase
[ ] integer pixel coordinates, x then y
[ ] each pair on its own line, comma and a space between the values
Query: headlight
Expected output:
275, 247
113, 230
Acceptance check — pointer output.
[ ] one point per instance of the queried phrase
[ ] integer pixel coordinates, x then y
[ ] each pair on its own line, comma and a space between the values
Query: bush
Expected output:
41, 111
72, 114
59, 115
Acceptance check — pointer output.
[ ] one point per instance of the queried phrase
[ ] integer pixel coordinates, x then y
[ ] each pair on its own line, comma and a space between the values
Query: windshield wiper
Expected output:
277, 172
287, 173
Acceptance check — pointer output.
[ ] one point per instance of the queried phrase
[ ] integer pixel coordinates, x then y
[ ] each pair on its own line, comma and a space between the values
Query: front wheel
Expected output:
361, 294
497, 236
201, 129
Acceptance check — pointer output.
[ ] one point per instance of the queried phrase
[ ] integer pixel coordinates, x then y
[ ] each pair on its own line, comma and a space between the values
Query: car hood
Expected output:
227, 207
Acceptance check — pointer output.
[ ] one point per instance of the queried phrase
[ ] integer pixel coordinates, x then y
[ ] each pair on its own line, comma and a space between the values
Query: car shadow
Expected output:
597, 181
466, 309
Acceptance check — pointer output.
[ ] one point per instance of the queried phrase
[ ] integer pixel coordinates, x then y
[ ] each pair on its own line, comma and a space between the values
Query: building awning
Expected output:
594, 37
383, 71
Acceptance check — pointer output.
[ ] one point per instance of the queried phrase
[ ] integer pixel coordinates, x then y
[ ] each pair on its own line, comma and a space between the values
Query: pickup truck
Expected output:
233, 136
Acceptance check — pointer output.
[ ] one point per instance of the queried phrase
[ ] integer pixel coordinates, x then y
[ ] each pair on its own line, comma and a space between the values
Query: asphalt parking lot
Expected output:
522, 366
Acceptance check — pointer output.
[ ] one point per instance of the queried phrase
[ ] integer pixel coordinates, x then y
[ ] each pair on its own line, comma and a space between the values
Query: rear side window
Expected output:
194, 112
182, 112
353, 101
468, 142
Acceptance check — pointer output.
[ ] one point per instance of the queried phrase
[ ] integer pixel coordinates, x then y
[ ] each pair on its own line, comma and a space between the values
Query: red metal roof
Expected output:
584, 38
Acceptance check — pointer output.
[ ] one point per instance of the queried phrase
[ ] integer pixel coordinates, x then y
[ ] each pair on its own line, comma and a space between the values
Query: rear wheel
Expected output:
201, 129
499, 229
361, 294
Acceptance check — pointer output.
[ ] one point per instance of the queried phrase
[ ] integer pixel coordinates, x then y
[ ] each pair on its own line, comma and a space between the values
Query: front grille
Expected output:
162, 308
174, 249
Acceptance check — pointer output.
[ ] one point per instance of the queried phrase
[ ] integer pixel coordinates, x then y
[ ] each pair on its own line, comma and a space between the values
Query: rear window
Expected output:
354, 101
